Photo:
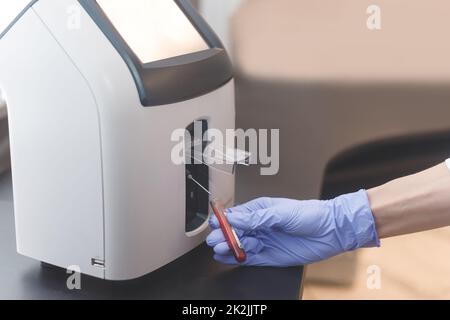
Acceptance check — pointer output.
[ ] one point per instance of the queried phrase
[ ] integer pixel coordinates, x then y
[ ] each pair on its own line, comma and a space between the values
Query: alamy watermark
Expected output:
374, 20
73, 21
373, 281
74, 279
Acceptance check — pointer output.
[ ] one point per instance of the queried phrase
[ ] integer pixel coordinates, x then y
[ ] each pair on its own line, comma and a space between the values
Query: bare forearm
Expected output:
414, 203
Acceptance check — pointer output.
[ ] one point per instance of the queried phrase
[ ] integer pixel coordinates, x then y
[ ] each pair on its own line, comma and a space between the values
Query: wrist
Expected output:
383, 202
413, 203
356, 220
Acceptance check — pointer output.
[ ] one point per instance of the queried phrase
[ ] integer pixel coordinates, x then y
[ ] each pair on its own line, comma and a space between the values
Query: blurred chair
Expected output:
332, 86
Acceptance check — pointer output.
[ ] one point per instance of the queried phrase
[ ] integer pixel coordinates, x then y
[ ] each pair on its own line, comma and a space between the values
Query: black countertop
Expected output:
194, 276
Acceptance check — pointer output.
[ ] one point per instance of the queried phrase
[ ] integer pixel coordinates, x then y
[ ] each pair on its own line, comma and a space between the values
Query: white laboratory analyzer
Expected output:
94, 91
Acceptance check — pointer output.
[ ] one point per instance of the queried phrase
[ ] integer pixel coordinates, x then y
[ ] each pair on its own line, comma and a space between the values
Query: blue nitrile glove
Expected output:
284, 232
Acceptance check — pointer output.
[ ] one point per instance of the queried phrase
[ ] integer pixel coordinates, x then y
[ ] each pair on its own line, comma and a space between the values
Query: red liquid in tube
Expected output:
228, 231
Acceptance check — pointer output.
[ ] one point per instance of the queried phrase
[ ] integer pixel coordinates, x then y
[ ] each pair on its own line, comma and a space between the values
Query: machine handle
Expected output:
230, 235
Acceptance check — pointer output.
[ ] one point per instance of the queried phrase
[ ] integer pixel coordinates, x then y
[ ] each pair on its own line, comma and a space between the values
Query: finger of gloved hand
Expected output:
222, 249
213, 222
250, 245
259, 219
253, 205
258, 204
216, 236
248, 207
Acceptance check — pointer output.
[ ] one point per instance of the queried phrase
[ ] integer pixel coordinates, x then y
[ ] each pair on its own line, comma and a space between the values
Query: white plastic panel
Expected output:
55, 149
154, 29
9, 10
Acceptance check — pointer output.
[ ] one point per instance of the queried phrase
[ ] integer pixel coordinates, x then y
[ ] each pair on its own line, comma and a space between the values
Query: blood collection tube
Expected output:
230, 235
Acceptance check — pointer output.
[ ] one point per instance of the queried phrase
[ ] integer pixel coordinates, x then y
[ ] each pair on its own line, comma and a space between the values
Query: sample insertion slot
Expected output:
197, 177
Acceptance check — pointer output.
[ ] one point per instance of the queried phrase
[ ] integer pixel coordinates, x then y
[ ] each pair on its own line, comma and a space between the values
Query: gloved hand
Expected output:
284, 232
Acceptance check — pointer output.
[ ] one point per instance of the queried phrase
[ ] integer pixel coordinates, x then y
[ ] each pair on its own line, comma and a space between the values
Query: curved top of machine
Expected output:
171, 52
10, 12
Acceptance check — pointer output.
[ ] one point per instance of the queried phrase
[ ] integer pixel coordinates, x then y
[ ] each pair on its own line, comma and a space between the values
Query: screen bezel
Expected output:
174, 79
